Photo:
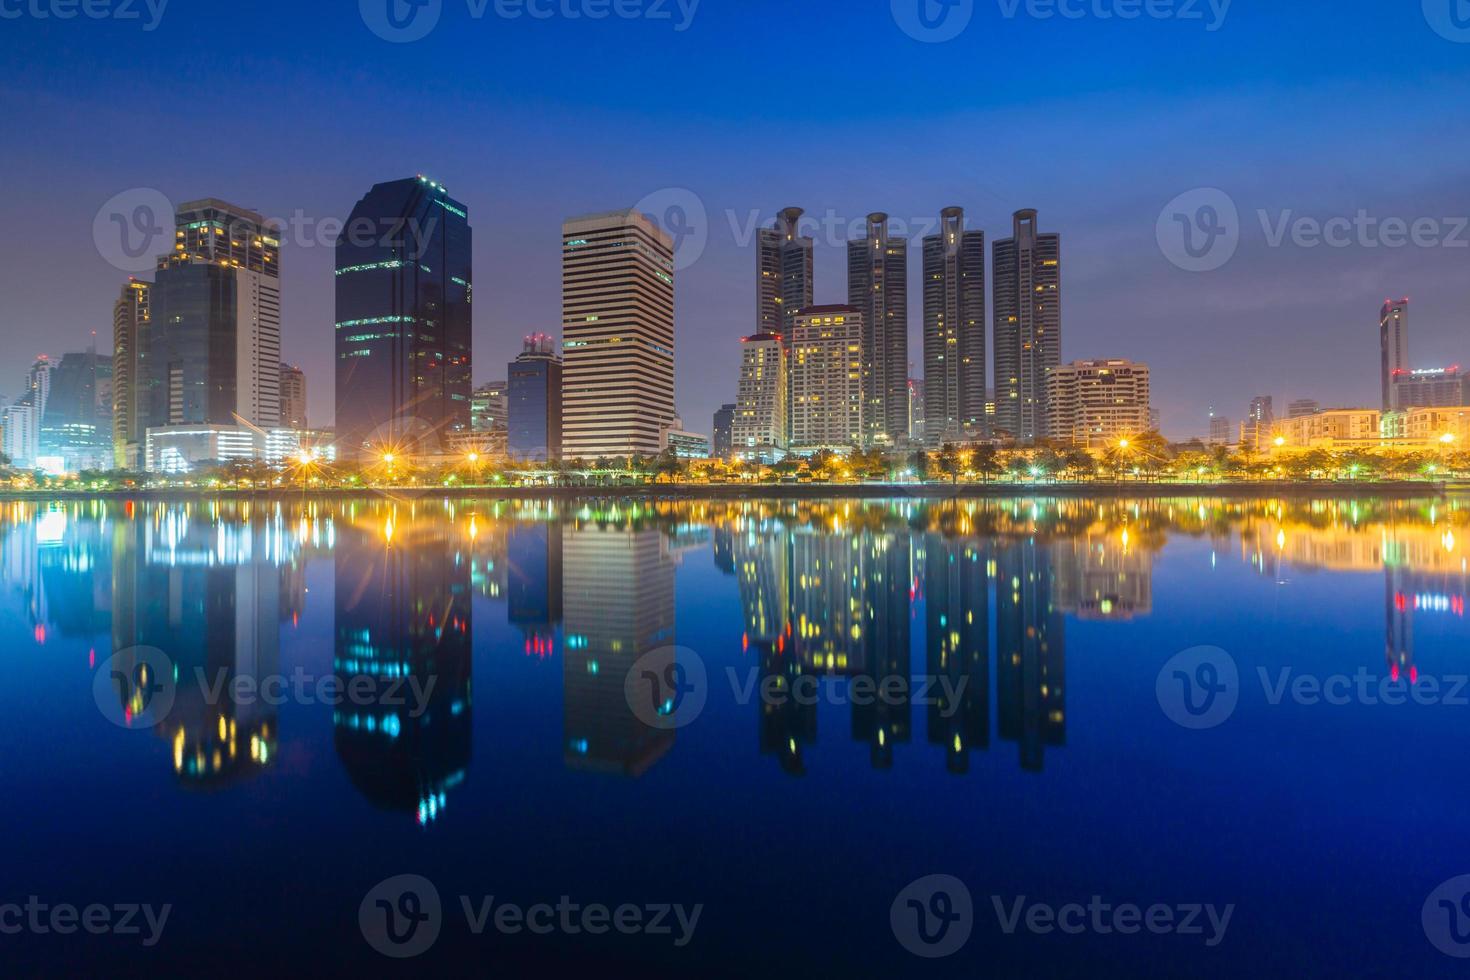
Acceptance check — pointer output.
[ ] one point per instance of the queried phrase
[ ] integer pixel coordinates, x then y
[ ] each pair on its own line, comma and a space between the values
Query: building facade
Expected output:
1431, 388
1097, 403
617, 334
1303, 406
1393, 343
1027, 280
534, 406
827, 379
877, 286
293, 397
954, 332
1335, 427
130, 322
723, 431
404, 295
785, 276
76, 426
761, 425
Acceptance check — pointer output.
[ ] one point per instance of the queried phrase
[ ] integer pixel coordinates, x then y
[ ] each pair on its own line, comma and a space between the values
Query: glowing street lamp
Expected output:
1448, 438
1280, 441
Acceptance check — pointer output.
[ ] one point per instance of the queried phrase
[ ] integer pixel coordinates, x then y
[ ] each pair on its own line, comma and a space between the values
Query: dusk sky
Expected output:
1295, 109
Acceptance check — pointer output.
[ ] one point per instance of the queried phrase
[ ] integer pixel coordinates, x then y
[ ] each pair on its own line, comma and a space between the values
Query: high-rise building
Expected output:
1096, 403
618, 335
723, 431
826, 378
1393, 342
916, 410
489, 405
22, 420
784, 273
954, 331
76, 426
877, 286
130, 315
403, 321
1255, 431
1303, 406
1027, 280
534, 402
1431, 388
1220, 430
293, 397
213, 348
760, 429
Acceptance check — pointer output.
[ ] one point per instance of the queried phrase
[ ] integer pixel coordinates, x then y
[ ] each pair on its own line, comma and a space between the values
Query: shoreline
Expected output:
806, 491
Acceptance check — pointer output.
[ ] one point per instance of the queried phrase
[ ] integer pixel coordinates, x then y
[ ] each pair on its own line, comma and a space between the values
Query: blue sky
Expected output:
1309, 110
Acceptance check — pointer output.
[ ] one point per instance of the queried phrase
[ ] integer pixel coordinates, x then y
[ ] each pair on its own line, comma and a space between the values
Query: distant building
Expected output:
534, 401
1303, 406
1256, 430
76, 425
760, 427
618, 335
1336, 427
1096, 403
827, 379
954, 331
293, 397
403, 321
1432, 427
1431, 388
723, 431
489, 406
917, 423
877, 287
1220, 431
177, 449
785, 273
685, 444
1393, 342
130, 322
21, 421
1027, 280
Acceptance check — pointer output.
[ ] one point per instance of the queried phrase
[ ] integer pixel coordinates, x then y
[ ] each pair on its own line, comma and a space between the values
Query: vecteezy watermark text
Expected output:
404, 21
403, 916
1103, 918
63, 919
937, 21
148, 12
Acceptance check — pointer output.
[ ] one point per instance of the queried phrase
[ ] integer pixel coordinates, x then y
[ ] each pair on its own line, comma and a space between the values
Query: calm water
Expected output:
643, 704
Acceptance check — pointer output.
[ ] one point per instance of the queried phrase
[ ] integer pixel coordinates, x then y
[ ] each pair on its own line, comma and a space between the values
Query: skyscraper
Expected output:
129, 339
534, 408
877, 285
723, 431
760, 428
1393, 343
784, 273
22, 420
293, 397
826, 378
618, 335
213, 348
76, 427
954, 331
1028, 325
404, 294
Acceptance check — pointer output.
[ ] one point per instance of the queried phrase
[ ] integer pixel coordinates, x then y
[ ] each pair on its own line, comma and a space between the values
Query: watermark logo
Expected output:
1199, 688
1211, 13
1193, 919
1199, 231
667, 688
1446, 917
401, 21
65, 919
933, 21
401, 916
133, 227
682, 215
135, 688
933, 917
1449, 18
148, 12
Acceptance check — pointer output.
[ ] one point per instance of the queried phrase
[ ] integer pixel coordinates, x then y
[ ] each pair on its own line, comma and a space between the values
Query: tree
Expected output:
949, 462
1081, 465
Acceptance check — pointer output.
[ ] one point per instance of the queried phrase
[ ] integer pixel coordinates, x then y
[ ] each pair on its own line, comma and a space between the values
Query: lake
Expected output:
1025, 737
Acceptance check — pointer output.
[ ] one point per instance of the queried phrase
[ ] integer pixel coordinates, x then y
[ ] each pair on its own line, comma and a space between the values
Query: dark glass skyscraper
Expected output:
954, 331
1028, 326
534, 401
403, 320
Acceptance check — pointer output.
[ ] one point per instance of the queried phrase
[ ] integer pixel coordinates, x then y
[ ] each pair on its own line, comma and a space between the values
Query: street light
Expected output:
1280, 441
1447, 438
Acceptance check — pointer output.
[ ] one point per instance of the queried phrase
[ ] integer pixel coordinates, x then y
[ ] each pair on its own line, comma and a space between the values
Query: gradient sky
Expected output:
1319, 108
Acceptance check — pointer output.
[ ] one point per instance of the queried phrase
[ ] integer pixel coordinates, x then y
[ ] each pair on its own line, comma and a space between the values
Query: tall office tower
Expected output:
618, 335
826, 378
877, 285
1302, 407
1220, 434
129, 343
1028, 325
784, 273
954, 331
293, 397
404, 295
618, 612
1031, 667
1393, 342
533, 406
76, 427
1096, 403
760, 430
723, 432
213, 353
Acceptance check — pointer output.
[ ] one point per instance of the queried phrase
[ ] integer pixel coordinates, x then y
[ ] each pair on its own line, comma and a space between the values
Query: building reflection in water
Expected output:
957, 647
533, 586
403, 633
1031, 639
618, 606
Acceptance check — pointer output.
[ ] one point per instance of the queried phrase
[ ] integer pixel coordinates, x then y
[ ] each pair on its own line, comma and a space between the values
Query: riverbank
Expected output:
1398, 490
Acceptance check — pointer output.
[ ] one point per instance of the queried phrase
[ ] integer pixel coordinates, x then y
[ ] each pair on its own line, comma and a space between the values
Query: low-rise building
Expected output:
1096, 403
